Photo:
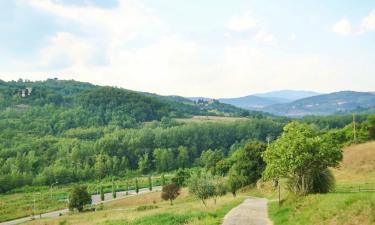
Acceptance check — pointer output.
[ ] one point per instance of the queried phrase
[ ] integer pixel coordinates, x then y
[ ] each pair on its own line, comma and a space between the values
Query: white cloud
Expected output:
242, 23
122, 23
265, 37
169, 63
368, 23
343, 27
247, 23
74, 50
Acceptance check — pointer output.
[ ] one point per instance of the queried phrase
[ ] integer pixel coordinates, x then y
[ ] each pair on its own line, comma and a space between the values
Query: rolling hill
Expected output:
284, 96
108, 101
337, 102
260, 101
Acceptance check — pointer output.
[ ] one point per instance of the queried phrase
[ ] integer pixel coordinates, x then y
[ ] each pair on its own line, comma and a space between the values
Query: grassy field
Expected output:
26, 201
149, 209
332, 208
357, 170
22, 204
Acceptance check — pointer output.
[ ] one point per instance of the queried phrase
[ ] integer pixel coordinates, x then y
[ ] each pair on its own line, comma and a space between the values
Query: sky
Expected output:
211, 48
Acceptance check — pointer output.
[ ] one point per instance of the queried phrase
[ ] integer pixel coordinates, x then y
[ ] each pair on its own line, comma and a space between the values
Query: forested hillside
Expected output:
68, 131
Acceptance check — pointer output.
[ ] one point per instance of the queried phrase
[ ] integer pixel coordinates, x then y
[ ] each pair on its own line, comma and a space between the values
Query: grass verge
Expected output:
332, 208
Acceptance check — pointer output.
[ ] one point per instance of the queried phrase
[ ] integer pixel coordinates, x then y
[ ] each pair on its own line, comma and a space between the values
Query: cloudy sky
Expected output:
212, 48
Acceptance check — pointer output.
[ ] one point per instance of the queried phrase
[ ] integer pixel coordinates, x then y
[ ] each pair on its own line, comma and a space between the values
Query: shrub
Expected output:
170, 192
149, 183
146, 207
202, 187
322, 181
181, 177
114, 194
220, 188
317, 181
136, 186
101, 193
78, 198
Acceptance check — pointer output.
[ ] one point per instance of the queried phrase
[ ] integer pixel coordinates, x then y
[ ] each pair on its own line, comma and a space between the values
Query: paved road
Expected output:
253, 211
95, 201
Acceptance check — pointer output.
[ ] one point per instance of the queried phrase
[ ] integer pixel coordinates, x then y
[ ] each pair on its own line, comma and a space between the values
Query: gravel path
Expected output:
253, 211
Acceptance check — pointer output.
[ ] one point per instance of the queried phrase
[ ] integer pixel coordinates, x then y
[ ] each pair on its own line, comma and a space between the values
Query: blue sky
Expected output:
192, 48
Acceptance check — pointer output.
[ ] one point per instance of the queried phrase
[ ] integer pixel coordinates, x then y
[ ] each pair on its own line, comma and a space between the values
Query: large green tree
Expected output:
247, 166
298, 155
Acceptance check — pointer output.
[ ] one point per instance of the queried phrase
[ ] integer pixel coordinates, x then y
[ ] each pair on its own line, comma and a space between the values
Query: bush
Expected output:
202, 187
146, 207
78, 198
170, 192
317, 181
181, 177
322, 181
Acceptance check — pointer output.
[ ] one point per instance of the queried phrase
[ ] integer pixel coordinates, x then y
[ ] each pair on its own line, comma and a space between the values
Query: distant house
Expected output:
26, 92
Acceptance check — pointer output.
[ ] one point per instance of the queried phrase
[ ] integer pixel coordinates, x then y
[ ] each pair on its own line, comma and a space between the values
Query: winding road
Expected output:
253, 211
95, 200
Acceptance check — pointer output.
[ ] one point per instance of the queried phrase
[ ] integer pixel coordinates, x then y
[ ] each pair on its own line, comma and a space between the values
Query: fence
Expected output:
359, 187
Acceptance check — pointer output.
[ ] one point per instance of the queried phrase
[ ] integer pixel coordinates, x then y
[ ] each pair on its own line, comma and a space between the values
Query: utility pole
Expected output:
354, 130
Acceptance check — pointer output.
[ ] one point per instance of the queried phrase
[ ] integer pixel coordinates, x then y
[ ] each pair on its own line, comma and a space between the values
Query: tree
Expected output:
235, 182
127, 187
299, 154
164, 159
113, 188
181, 177
202, 187
220, 188
170, 192
149, 183
101, 193
78, 198
209, 159
162, 180
248, 163
183, 158
144, 164
136, 186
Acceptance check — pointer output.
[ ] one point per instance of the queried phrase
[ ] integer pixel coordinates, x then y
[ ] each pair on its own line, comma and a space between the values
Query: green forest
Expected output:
68, 131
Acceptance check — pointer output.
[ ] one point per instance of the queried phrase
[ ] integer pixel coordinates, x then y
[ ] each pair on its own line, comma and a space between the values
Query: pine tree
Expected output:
101, 193
113, 189
127, 187
136, 186
149, 183
162, 180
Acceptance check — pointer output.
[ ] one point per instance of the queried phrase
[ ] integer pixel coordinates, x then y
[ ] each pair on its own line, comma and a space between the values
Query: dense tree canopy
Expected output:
68, 131
298, 154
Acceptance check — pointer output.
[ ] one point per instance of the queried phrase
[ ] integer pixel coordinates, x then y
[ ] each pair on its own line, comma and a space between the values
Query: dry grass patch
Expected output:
358, 164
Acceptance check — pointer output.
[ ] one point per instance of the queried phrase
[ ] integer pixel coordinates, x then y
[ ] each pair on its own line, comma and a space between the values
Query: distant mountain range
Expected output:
337, 102
301, 103
260, 101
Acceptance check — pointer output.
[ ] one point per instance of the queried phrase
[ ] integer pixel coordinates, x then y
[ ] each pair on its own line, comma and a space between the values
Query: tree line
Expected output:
95, 153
